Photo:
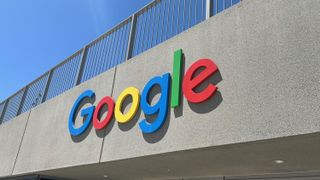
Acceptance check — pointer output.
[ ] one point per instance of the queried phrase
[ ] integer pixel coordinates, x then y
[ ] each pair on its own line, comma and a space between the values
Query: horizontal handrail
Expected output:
154, 23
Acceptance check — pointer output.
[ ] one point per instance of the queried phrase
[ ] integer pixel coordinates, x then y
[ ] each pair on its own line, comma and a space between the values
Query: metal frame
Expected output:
23, 99
132, 36
35, 176
9, 98
4, 110
209, 8
81, 66
289, 175
130, 46
45, 92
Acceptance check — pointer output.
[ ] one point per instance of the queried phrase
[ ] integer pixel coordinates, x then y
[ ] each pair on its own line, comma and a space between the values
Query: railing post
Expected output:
209, 8
25, 91
45, 93
81, 66
131, 36
4, 111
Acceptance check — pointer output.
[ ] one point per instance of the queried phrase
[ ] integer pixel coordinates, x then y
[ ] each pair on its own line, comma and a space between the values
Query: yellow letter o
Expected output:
134, 93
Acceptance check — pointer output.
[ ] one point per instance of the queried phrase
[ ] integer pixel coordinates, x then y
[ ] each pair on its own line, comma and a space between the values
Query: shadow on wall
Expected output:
105, 131
210, 104
154, 96
214, 101
83, 136
155, 93
205, 107
129, 125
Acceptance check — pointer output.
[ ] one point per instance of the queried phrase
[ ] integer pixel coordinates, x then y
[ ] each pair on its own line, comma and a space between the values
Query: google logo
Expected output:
190, 81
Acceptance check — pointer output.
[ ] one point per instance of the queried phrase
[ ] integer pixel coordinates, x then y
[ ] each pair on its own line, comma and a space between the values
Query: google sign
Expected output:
190, 81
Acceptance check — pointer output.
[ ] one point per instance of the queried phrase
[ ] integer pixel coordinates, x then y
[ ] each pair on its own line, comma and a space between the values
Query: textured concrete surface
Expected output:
246, 160
269, 86
11, 133
47, 143
268, 55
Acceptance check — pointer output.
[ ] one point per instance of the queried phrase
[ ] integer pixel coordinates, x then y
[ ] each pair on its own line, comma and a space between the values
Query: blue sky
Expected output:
35, 35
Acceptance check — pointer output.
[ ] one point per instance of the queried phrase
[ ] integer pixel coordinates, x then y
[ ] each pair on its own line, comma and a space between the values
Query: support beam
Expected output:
81, 66
4, 110
45, 92
25, 91
131, 36
209, 7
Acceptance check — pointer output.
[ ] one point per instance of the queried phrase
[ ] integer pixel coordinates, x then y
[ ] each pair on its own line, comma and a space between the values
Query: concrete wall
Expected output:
47, 142
268, 85
11, 134
268, 57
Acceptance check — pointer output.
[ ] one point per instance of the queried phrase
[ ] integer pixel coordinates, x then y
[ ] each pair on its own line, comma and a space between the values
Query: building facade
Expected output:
233, 97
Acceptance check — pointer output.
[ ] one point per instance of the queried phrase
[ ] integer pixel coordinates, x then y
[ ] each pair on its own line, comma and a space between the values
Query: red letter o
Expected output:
101, 124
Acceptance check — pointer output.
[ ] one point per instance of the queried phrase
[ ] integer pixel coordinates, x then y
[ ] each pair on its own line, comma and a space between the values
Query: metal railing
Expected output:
156, 22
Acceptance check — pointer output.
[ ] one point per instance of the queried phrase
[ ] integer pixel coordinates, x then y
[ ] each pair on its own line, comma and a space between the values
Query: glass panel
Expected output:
34, 93
64, 76
13, 106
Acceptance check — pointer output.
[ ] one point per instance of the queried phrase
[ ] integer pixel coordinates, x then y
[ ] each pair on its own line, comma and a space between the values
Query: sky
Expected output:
35, 35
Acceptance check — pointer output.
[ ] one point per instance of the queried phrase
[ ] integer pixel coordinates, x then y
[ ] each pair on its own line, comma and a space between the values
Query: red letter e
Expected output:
190, 82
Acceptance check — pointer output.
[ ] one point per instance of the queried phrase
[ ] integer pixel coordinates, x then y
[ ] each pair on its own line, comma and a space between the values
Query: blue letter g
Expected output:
88, 112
